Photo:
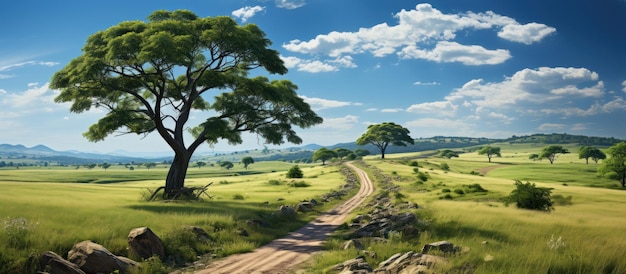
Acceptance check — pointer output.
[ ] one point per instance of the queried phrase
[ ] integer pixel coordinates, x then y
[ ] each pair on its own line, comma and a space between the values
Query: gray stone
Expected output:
55, 264
94, 258
144, 243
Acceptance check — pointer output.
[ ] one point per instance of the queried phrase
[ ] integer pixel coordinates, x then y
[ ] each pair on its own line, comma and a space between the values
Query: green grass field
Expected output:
63, 206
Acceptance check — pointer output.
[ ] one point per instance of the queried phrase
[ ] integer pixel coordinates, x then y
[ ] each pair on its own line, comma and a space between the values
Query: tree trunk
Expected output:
382, 154
176, 176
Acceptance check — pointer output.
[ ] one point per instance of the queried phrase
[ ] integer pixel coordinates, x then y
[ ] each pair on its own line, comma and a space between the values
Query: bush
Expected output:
274, 182
529, 196
238, 197
445, 190
444, 166
423, 176
413, 163
562, 200
299, 184
416, 170
475, 188
295, 172
459, 191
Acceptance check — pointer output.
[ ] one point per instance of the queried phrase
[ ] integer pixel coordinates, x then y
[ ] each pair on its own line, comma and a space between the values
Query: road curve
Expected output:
285, 254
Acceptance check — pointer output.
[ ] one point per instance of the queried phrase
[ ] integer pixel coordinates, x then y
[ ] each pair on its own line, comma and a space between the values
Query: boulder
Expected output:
94, 258
55, 264
200, 233
304, 207
443, 246
353, 266
409, 262
145, 244
287, 211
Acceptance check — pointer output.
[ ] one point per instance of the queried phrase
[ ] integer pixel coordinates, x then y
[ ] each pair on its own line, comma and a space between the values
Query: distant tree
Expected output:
154, 75
150, 165
385, 134
489, 151
534, 157
446, 153
586, 152
351, 156
200, 164
294, 172
361, 152
342, 152
227, 164
552, 153
324, 154
105, 166
246, 161
91, 166
616, 164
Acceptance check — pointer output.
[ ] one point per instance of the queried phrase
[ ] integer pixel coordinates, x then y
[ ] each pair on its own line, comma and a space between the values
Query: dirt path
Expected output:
486, 170
285, 254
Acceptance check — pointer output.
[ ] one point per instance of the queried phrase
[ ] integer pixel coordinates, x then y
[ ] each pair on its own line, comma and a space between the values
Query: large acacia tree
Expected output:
385, 134
151, 75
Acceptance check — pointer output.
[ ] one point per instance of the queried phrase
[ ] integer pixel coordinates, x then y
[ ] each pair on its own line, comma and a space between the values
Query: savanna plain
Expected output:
52, 208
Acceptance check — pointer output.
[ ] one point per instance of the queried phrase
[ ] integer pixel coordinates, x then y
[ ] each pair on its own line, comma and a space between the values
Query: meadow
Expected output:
54, 208
581, 235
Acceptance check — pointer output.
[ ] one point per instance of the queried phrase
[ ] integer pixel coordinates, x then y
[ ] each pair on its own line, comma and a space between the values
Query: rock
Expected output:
409, 262
257, 222
202, 235
353, 266
94, 258
443, 246
287, 211
145, 244
304, 207
55, 264
355, 243
242, 232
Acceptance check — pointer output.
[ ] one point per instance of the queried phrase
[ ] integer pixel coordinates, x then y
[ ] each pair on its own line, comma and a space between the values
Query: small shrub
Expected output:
529, 196
413, 163
459, 191
299, 184
15, 232
224, 182
416, 170
444, 166
475, 188
445, 190
238, 197
474, 172
448, 196
295, 172
423, 176
274, 182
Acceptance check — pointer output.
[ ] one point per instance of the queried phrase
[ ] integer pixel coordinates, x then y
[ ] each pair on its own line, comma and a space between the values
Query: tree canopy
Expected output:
446, 153
586, 152
149, 76
490, 152
616, 164
552, 152
385, 134
246, 161
324, 154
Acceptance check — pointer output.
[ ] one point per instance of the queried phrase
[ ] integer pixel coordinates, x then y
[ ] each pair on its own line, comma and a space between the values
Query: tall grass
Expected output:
63, 212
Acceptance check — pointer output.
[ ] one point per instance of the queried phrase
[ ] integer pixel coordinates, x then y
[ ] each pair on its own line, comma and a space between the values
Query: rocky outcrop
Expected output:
144, 243
94, 258
54, 264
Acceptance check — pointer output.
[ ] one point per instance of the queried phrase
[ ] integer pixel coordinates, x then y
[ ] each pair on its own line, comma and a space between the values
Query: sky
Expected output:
480, 68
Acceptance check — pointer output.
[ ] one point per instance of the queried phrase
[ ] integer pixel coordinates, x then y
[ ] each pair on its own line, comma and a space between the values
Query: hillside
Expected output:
41, 154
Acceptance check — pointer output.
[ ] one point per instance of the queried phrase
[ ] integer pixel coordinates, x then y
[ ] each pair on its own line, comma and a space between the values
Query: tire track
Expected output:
285, 254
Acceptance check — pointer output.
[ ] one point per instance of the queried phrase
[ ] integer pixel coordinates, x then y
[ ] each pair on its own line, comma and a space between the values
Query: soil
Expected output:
484, 171
286, 255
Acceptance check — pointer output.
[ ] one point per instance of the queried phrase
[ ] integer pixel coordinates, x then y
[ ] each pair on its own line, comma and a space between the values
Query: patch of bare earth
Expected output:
485, 170
285, 255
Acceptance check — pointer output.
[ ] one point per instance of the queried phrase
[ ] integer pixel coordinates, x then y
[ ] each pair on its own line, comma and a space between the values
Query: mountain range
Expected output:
42, 153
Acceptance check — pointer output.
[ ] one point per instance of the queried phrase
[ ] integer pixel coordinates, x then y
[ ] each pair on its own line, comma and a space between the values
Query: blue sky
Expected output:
456, 68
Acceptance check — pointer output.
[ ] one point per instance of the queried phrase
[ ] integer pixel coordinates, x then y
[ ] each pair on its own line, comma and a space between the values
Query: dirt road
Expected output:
285, 254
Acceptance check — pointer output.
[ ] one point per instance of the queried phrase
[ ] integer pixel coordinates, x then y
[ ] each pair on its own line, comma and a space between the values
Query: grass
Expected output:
63, 213
583, 237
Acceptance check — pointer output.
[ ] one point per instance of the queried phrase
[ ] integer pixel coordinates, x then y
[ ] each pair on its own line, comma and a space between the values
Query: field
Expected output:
62, 206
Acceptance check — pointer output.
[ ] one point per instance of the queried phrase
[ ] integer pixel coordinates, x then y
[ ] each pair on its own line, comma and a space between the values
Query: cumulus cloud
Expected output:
316, 66
319, 103
420, 28
17, 65
418, 83
443, 108
551, 127
624, 86
342, 123
247, 12
526, 34
391, 110
290, 4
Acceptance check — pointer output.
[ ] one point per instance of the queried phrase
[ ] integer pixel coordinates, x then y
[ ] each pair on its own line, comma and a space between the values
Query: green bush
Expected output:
475, 188
445, 190
274, 182
562, 200
413, 163
295, 172
529, 196
423, 176
238, 197
444, 166
299, 184
459, 191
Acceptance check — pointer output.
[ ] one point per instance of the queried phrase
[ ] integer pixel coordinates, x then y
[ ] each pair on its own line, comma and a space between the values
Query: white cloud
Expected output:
17, 65
526, 34
447, 52
316, 66
343, 123
531, 88
424, 26
418, 83
247, 12
319, 103
502, 117
391, 110
290, 4
624, 86
443, 108
550, 126
36, 97
446, 127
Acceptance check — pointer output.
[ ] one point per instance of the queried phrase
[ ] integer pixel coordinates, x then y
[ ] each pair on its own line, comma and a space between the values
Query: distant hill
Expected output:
41, 153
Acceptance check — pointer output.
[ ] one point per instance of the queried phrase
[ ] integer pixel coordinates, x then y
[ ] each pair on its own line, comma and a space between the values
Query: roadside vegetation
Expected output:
459, 199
